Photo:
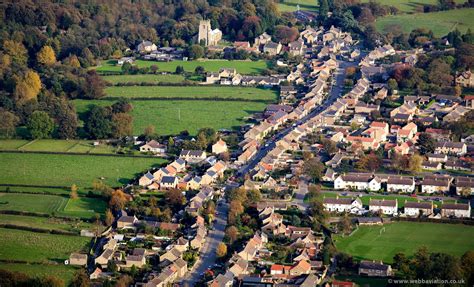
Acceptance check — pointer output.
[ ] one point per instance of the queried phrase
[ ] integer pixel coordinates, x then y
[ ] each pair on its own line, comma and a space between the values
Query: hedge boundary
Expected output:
39, 230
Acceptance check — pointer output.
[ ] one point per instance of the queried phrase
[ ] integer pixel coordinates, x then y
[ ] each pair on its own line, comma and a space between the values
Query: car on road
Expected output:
413, 195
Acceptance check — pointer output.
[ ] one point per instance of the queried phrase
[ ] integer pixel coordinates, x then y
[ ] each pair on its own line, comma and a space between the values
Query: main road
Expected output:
334, 94
207, 256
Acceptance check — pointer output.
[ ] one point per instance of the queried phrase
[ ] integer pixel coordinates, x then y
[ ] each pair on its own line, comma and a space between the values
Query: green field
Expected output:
49, 204
441, 23
64, 272
73, 146
410, 6
291, 5
38, 247
191, 92
66, 170
172, 117
242, 67
368, 242
39, 190
44, 222
159, 78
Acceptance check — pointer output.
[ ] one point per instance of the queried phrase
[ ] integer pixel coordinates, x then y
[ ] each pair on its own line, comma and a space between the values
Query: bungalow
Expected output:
448, 147
193, 155
219, 147
388, 207
400, 184
358, 182
168, 182
418, 208
459, 210
79, 259
342, 204
435, 184
154, 147
374, 269
464, 184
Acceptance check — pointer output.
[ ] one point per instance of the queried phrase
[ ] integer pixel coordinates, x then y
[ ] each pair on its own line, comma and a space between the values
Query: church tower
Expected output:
204, 31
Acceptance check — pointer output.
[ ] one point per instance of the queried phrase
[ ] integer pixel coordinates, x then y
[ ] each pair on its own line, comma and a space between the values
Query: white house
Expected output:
154, 147
400, 184
459, 210
146, 47
358, 182
342, 204
418, 208
219, 147
464, 183
388, 207
193, 155
435, 184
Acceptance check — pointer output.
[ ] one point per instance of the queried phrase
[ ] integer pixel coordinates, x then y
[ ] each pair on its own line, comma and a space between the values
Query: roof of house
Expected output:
383, 202
400, 180
342, 201
423, 205
456, 206
373, 265
168, 179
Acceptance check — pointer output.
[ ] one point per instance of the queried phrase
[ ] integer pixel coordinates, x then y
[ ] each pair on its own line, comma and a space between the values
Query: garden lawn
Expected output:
368, 242
66, 170
410, 6
191, 92
44, 222
171, 117
39, 247
242, 67
291, 5
64, 272
441, 23
147, 78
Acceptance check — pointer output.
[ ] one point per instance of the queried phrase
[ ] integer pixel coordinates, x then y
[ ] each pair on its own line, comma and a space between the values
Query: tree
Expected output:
253, 196
109, 217
16, 51
415, 162
122, 125
323, 8
467, 263
46, 56
329, 146
179, 70
232, 234
28, 87
346, 225
72, 61
40, 125
92, 86
149, 132
8, 123
465, 192
80, 279
426, 143
285, 34
221, 250
369, 162
117, 200
313, 168
175, 198
98, 124
126, 280
195, 52
73, 191
235, 209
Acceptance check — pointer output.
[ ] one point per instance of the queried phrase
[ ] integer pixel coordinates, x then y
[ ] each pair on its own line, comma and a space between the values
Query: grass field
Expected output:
242, 67
370, 243
64, 272
49, 204
410, 6
172, 117
191, 92
39, 190
44, 222
73, 146
441, 23
38, 247
291, 5
65, 170
168, 78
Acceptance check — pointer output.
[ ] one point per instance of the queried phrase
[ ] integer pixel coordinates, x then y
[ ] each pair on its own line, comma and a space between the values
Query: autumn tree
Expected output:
122, 125
73, 191
313, 168
467, 263
8, 123
46, 56
415, 162
232, 234
40, 125
285, 34
80, 279
235, 209
92, 86
369, 162
109, 217
16, 51
149, 131
27, 87
221, 250
175, 198
118, 199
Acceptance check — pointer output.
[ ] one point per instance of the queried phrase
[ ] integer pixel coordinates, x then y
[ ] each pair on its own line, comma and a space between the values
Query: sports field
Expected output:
191, 92
148, 78
291, 5
66, 170
383, 242
242, 67
52, 204
409, 6
441, 23
38, 247
171, 117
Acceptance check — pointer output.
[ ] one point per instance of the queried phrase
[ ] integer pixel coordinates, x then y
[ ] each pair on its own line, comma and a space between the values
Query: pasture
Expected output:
192, 92
441, 23
370, 243
410, 6
242, 67
144, 78
44, 222
39, 247
52, 204
64, 272
66, 170
50, 145
291, 5
171, 117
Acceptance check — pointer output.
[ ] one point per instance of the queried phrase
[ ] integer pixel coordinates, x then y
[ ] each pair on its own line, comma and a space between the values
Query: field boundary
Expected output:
38, 230
217, 99
78, 153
